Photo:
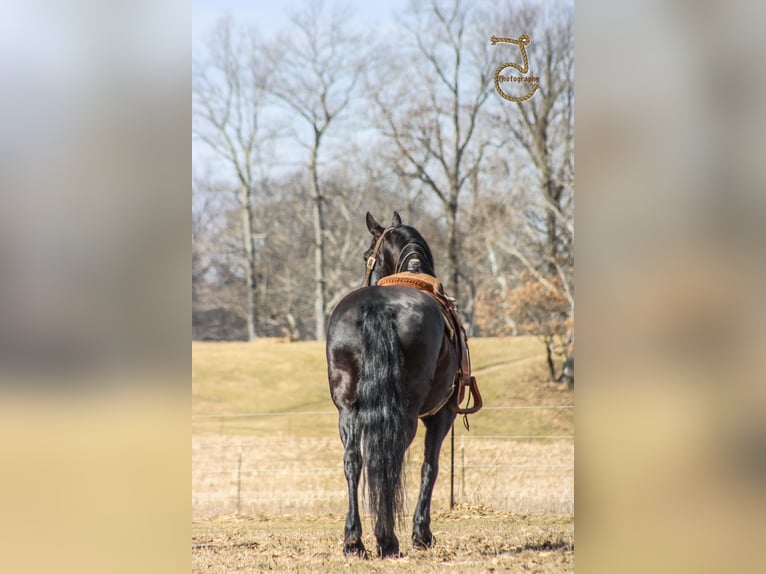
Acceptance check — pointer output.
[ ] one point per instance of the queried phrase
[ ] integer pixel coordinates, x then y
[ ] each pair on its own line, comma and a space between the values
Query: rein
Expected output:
403, 259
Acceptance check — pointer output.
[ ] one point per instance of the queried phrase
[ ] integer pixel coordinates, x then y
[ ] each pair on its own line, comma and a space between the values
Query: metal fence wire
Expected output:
246, 474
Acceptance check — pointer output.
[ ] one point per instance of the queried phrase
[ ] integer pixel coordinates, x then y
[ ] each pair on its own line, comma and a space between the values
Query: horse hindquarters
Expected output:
381, 400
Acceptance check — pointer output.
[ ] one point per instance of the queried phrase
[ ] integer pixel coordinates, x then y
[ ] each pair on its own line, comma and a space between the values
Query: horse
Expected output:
389, 363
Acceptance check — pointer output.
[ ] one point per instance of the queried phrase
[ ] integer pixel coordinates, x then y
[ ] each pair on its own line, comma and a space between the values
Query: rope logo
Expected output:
521, 42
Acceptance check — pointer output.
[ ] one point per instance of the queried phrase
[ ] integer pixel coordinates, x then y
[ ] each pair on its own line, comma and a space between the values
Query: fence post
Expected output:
462, 467
452, 469
239, 480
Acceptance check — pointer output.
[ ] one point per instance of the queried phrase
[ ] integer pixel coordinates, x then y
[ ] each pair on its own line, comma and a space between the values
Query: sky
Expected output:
270, 16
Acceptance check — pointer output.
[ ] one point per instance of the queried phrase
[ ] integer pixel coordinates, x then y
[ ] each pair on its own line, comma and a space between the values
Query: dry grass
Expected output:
283, 475
262, 486
468, 539
275, 377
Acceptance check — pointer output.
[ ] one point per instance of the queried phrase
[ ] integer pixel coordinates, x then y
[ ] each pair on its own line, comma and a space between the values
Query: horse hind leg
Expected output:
390, 499
385, 536
437, 427
352, 467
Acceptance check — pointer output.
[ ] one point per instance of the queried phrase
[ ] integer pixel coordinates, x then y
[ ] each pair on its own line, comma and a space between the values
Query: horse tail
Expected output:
382, 408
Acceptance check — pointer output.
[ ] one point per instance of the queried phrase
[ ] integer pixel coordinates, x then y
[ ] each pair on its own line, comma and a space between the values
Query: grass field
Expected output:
468, 539
268, 491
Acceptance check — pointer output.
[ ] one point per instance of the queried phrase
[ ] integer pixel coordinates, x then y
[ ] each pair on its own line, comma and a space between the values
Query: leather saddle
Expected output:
463, 380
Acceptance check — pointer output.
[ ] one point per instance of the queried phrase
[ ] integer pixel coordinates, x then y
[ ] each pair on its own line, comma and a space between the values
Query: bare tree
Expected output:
218, 291
286, 290
287, 221
544, 125
318, 65
489, 182
229, 92
432, 115
542, 128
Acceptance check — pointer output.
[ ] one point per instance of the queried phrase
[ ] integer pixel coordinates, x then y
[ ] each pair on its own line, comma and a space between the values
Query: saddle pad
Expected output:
421, 281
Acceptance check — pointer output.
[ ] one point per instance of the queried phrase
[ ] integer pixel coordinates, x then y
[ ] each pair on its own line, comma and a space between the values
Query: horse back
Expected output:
420, 328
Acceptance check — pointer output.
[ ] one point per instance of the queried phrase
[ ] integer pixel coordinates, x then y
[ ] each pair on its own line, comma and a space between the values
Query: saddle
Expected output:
463, 379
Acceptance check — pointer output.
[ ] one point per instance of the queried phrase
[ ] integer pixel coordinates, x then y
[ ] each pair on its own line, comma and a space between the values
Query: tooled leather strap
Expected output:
372, 259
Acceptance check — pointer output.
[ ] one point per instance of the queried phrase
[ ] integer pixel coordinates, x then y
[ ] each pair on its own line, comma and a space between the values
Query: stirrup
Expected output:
473, 391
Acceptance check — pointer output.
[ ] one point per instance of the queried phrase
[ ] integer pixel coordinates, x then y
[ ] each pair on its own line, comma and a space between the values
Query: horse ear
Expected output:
397, 219
375, 228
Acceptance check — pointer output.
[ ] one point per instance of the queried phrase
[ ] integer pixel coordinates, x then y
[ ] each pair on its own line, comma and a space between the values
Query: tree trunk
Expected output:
567, 372
549, 359
453, 256
552, 234
248, 238
319, 271
552, 193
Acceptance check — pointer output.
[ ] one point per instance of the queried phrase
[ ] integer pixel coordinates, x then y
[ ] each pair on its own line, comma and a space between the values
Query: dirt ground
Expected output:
468, 539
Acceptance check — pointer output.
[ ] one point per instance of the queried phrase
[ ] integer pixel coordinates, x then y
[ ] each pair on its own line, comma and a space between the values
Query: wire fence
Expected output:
331, 412
280, 473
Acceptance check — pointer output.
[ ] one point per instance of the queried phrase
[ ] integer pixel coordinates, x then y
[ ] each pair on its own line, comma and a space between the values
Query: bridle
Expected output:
373, 258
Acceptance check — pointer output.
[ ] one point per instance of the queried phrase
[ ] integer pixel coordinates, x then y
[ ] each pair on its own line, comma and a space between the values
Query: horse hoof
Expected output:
390, 550
423, 542
355, 548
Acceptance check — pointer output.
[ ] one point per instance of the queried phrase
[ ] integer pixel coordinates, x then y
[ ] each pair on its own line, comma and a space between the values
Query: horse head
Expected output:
392, 249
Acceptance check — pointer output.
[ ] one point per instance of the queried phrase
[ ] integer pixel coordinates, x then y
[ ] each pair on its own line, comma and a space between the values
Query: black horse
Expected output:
389, 362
